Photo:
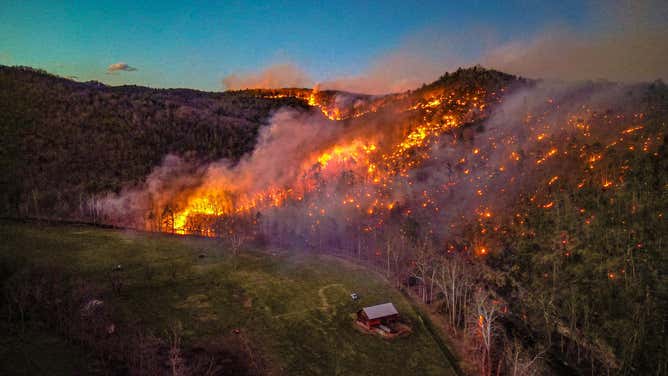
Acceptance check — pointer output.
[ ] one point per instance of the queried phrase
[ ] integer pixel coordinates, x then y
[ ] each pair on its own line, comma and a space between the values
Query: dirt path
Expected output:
325, 306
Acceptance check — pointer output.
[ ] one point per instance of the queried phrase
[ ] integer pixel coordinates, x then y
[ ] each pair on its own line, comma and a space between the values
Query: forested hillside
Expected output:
64, 140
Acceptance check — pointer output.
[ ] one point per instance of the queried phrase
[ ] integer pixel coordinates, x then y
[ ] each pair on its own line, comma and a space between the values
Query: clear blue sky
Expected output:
195, 44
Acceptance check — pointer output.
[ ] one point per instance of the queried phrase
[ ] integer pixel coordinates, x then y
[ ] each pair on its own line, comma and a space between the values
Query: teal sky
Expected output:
196, 44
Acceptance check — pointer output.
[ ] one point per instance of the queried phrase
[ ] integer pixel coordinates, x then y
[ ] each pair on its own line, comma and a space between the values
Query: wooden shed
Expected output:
376, 315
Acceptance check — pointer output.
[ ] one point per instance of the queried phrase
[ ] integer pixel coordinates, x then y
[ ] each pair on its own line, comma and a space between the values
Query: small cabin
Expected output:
374, 316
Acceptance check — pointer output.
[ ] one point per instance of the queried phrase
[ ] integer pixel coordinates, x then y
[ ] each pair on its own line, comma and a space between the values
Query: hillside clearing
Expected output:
294, 308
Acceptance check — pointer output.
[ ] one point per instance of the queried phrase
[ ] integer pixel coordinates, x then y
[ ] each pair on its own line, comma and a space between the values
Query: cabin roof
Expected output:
380, 310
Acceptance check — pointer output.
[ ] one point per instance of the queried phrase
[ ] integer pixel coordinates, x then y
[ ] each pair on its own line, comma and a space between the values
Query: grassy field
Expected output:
295, 308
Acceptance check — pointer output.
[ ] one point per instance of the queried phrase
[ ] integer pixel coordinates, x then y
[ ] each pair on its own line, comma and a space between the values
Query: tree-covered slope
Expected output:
64, 140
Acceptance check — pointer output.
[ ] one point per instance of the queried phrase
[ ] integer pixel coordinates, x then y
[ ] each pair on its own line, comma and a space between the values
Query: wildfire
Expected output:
631, 130
345, 153
548, 155
379, 168
356, 155
311, 98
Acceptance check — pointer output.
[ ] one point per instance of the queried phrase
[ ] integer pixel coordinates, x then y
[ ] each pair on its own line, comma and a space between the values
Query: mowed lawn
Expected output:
294, 307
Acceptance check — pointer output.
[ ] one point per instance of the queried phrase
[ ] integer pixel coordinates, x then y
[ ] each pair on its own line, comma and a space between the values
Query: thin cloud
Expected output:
120, 66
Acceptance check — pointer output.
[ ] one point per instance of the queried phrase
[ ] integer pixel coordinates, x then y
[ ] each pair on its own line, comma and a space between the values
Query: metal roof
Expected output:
380, 310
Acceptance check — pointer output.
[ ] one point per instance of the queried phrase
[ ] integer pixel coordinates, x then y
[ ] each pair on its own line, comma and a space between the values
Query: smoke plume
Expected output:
272, 77
627, 42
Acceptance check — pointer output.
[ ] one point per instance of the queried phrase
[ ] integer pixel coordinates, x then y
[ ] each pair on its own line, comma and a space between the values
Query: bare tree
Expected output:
422, 266
236, 239
520, 362
454, 279
175, 357
486, 329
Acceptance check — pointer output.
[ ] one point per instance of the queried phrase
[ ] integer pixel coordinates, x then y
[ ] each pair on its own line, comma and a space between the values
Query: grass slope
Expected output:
295, 308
